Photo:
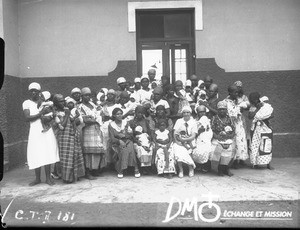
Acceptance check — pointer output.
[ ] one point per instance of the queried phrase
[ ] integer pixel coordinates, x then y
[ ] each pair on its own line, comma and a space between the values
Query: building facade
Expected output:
64, 44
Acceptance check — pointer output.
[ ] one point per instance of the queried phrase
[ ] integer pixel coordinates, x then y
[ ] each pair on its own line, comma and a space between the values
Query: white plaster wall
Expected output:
10, 35
251, 35
88, 37
73, 37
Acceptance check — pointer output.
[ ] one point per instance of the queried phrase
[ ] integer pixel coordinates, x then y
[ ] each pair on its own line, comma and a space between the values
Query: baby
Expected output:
47, 105
201, 98
187, 144
142, 137
74, 113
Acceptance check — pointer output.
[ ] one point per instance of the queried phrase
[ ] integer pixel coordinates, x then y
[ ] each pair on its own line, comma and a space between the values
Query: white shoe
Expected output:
120, 175
191, 173
137, 175
180, 175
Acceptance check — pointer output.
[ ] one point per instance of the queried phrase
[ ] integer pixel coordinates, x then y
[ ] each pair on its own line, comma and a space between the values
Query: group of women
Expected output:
167, 129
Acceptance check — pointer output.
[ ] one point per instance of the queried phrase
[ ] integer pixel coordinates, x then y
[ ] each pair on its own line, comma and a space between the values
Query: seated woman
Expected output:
69, 143
203, 140
222, 143
121, 141
183, 155
144, 152
164, 160
261, 132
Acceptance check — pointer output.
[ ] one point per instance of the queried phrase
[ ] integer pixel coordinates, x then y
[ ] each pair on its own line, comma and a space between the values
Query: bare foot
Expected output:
35, 182
50, 182
228, 173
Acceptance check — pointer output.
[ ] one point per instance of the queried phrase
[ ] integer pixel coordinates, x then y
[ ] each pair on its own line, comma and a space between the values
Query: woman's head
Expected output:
162, 124
239, 86
165, 80
186, 112
145, 82
222, 108
34, 90
111, 95
201, 110
86, 94
124, 97
76, 94
117, 114
157, 94
139, 112
254, 98
178, 85
59, 101
233, 92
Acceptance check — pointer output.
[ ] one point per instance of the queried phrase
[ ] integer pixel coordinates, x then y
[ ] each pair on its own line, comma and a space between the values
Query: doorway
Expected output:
165, 42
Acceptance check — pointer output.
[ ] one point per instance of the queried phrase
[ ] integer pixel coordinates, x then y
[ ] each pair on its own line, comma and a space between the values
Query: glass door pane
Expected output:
152, 58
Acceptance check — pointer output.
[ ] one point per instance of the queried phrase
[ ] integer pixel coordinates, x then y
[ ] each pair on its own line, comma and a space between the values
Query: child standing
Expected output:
163, 140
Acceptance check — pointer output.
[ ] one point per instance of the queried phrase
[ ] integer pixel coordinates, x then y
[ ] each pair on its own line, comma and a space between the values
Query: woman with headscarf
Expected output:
92, 138
68, 138
157, 100
42, 149
144, 153
244, 104
261, 132
222, 143
234, 112
203, 140
182, 154
121, 141
107, 107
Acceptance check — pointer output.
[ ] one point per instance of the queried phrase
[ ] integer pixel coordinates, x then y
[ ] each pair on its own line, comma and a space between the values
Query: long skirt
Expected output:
94, 153
71, 157
124, 157
165, 164
106, 142
241, 148
183, 155
221, 155
145, 157
261, 145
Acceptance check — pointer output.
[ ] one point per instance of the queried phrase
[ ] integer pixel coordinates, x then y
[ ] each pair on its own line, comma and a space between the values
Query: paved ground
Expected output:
156, 201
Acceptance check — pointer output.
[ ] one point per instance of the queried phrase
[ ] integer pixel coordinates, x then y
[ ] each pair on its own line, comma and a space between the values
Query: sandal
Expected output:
180, 175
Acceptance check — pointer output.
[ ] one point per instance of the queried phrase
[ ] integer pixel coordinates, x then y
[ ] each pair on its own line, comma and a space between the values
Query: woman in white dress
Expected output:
42, 149
182, 154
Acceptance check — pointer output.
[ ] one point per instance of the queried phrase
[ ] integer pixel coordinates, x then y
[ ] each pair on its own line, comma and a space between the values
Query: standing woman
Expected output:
92, 139
121, 138
234, 112
182, 154
261, 132
42, 147
69, 142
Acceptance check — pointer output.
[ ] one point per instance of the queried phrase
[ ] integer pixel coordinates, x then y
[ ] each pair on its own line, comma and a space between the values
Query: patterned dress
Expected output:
71, 157
92, 138
219, 154
262, 136
241, 148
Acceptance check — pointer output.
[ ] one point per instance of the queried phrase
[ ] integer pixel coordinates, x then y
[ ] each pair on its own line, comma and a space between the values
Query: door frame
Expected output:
166, 43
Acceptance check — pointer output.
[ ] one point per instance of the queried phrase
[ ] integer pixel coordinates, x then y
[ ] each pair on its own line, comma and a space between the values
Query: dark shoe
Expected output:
270, 167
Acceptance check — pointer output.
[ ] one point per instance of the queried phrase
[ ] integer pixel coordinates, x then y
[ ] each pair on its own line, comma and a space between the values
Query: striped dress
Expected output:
70, 152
